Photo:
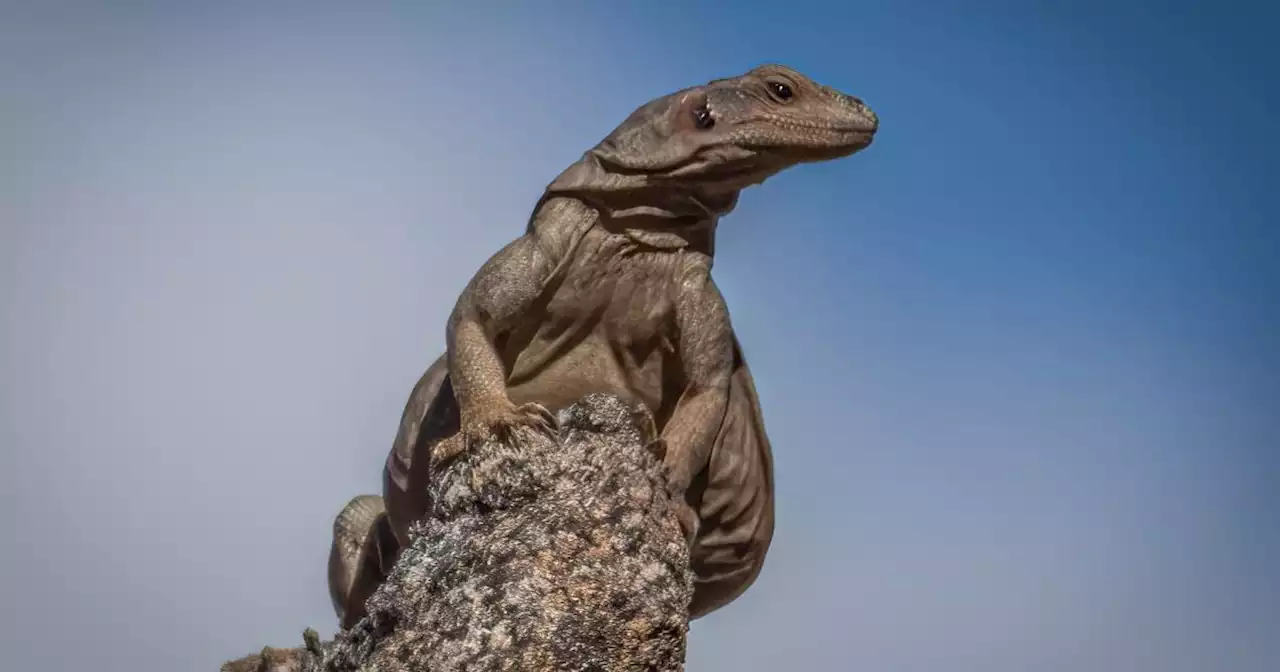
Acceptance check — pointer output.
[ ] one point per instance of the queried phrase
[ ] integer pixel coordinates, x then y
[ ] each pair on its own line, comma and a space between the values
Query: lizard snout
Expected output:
861, 116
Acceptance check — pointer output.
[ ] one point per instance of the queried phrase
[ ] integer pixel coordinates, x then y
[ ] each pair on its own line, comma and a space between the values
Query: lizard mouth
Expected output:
810, 141
851, 141
855, 126
826, 144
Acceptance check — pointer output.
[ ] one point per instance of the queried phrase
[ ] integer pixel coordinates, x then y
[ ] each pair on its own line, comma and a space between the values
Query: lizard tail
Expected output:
350, 531
353, 523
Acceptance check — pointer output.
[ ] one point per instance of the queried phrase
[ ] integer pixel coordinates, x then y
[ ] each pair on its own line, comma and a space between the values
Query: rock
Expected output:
541, 553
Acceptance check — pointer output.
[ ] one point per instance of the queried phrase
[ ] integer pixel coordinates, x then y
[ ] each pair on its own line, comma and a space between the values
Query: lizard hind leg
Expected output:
657, 446
356, 556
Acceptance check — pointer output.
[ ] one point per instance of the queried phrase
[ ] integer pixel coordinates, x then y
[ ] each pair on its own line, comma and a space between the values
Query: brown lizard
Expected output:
609, 290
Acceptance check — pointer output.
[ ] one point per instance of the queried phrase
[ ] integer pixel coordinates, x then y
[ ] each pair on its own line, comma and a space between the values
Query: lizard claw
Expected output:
447, 449
539, 416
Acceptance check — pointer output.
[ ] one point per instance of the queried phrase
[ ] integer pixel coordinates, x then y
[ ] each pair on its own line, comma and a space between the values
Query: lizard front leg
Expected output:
498, 296
705, 349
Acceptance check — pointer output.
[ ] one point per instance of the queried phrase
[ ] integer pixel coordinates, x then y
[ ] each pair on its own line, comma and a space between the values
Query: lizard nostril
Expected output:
870, 114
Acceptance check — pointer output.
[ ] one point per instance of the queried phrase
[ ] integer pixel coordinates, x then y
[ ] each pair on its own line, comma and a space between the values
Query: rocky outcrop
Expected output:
541, 553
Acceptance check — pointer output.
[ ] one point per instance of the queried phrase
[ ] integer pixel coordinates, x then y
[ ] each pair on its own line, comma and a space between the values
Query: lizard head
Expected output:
765, 121
718, 138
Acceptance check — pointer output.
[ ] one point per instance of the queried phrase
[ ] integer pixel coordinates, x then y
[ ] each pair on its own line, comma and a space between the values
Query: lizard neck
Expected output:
664, 215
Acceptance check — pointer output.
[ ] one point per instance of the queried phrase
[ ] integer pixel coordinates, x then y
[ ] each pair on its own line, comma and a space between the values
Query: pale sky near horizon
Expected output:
1020, 360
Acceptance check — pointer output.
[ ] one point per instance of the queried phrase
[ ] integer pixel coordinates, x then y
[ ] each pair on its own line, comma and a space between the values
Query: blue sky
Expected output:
1018, 359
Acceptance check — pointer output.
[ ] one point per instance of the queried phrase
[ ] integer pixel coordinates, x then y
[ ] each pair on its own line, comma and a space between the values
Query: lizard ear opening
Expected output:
692, 112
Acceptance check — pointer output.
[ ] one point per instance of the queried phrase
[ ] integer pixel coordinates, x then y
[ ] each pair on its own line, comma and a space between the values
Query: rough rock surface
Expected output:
539, 555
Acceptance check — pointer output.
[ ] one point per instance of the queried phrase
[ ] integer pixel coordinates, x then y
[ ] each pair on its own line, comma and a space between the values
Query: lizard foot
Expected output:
678, 483
497, 422
688, 519
493, 424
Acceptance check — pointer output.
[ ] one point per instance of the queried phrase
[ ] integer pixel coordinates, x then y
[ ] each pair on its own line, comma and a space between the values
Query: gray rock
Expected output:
539, 555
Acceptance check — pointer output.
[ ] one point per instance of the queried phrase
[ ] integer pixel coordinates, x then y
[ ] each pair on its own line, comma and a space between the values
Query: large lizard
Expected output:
609, 290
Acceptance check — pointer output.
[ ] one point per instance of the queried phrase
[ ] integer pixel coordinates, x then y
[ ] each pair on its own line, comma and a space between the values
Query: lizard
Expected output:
609, 289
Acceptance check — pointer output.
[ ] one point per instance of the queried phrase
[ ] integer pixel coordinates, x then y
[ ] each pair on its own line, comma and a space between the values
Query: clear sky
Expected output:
1020, 360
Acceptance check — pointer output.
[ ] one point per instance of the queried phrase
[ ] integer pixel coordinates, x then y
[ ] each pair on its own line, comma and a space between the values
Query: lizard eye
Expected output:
780, 90
702, 118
